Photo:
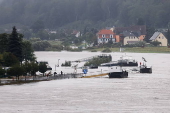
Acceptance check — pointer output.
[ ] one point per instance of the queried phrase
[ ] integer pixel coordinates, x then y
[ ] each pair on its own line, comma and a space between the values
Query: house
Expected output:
105, 35
158, 36
135, 28
132, 37
131, 34
76, 33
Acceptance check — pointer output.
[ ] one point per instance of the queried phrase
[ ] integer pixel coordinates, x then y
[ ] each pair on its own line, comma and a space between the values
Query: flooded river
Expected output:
139, 93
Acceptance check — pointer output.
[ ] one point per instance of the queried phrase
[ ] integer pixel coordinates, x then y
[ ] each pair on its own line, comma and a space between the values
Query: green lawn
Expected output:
53, 42
140, 50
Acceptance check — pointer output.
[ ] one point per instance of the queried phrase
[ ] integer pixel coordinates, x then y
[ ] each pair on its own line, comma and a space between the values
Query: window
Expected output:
111, 36
162, 37
103, 36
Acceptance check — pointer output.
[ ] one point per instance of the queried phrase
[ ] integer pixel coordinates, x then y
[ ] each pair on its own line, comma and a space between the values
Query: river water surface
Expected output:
139, 93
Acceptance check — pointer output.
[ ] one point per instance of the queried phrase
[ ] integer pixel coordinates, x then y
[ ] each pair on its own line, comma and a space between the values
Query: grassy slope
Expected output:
134, 49
141, 50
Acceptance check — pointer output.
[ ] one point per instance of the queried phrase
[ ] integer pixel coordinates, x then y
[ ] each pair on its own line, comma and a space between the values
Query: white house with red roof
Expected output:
105, 35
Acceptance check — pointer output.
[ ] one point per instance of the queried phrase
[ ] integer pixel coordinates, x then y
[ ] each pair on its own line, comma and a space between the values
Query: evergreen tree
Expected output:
3, 42
15, 46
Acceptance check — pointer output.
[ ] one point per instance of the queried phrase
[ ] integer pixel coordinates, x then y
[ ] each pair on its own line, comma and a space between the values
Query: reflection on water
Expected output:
139, 93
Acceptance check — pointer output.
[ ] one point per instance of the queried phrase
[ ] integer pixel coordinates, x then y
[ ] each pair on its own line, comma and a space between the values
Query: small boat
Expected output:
145, 68
117, 72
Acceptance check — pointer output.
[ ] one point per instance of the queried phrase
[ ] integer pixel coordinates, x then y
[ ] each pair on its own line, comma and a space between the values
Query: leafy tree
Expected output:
28, 68
9, 59
97, 61
34, 68
155, 43
43, 35
149, 33
42, 68
2, 72
28, 52
15, 45
16, 70
41, 45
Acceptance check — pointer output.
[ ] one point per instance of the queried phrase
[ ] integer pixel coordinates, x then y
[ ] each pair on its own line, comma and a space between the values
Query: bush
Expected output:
67, 63
107, 50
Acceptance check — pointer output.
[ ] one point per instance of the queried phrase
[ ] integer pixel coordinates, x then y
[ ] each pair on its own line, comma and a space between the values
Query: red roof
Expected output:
105, 31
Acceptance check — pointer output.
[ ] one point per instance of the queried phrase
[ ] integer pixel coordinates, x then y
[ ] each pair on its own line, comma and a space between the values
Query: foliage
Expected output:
97, 61
4, 42
15, 45
2, 71
27, 67
83, 14
155, 43
9, 59
34, 68
67, 63
16, 70
137, 44
107, 50
27, 51
42, 68
41, 45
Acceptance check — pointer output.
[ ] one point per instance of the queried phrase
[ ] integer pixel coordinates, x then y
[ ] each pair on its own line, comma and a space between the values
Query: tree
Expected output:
168, 35
34, 68
2, 71
16, 70
42, 68
28, 52
155, 43
4, 42
9, 59
149, 32
37, 26
15, 45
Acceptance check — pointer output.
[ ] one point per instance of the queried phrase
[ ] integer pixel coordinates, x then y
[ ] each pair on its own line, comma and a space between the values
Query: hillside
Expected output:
84, 13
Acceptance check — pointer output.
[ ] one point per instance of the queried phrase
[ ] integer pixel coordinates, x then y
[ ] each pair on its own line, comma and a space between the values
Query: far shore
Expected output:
124, 49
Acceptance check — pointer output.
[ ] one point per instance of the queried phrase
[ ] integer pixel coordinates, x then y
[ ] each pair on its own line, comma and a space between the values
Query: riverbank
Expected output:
123, 49
137, 49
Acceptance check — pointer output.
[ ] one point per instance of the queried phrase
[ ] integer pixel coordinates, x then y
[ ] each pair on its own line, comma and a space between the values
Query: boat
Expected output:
117, 72
144, 68
123, 61
48, 67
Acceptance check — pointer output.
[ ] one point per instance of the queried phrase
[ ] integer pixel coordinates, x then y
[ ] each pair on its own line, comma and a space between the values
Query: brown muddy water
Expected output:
139, 93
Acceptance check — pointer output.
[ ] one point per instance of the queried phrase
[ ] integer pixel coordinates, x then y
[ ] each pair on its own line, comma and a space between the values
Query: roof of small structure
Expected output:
127, 33
105, 31
155, 35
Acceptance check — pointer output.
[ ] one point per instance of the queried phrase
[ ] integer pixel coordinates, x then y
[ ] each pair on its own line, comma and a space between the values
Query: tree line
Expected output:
79, 14
17, 56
